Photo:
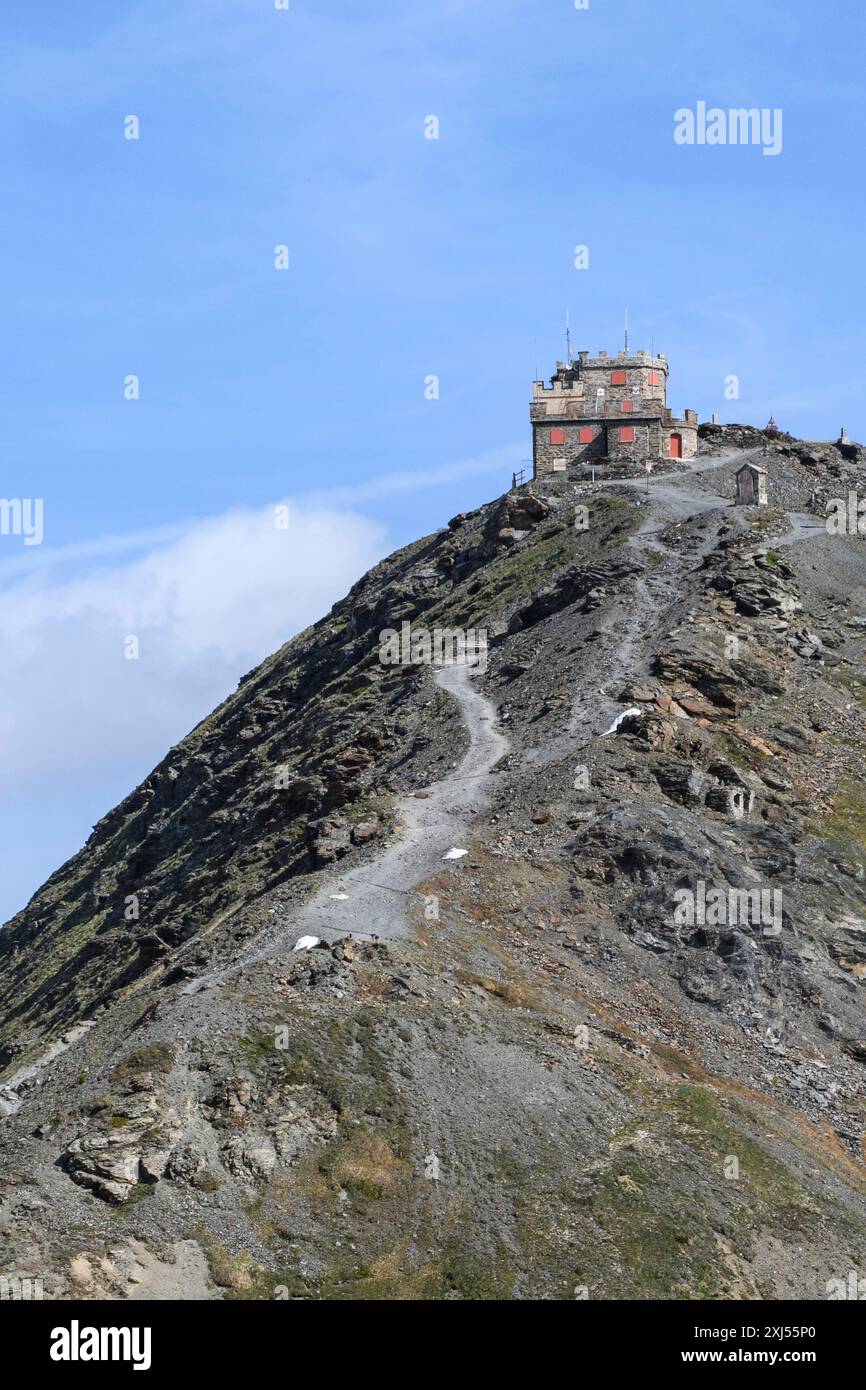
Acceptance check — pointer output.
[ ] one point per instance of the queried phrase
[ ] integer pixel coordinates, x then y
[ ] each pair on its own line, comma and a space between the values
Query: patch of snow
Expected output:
621, 718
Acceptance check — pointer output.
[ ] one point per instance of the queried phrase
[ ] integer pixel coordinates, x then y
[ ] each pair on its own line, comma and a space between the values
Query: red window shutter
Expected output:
557, 436
626, 434
618, 378
586, 435
653, 378
626, 407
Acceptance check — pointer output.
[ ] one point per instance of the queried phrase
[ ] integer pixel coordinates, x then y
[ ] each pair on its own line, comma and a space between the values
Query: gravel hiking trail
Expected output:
374, 905
624, 651
375, 893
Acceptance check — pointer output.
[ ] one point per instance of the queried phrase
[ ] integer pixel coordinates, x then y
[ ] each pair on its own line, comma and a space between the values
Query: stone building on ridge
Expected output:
607, 409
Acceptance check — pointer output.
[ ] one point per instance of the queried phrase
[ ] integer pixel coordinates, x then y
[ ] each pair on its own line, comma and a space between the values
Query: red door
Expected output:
676, 446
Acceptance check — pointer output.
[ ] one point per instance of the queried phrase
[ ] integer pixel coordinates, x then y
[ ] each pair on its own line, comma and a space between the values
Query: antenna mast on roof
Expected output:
568, 337
626, 332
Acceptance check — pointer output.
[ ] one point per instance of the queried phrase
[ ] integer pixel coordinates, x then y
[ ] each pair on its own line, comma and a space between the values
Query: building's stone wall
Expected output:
639, 379
647, 441
689, 433
645, 383
652, 438
545, 452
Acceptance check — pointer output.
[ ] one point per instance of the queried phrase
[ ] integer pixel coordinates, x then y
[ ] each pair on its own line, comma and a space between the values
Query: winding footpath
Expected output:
369, 900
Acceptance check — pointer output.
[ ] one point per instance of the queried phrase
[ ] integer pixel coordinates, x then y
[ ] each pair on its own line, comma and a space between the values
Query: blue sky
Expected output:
408, 257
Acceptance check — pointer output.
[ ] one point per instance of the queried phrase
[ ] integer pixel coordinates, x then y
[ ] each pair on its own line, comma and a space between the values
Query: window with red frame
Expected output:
627, 407
618, 378
586, 435
653, 378
626, 434
557, 436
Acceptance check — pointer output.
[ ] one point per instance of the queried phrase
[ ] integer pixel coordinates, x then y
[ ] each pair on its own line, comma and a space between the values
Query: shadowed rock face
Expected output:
617, 1045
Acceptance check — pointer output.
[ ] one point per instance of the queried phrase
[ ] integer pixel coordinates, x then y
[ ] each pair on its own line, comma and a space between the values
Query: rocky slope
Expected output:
537, 1070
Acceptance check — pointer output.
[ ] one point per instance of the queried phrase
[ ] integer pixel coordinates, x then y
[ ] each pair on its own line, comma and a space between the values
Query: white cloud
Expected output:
501, 460
497, 462
205, 608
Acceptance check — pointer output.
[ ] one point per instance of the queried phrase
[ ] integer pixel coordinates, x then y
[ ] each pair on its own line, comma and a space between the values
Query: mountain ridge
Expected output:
608, 1058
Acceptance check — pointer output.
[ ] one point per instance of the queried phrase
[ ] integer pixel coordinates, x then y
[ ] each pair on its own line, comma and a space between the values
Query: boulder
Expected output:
365, 830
